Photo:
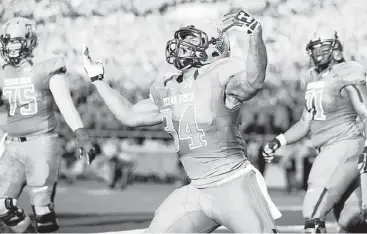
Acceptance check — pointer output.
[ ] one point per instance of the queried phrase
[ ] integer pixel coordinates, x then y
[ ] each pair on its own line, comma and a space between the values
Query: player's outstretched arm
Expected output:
246, 84
60, 90
298, 131
143, 113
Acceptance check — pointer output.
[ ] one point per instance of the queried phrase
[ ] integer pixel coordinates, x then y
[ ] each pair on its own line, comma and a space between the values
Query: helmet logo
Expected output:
29, 28
219, 43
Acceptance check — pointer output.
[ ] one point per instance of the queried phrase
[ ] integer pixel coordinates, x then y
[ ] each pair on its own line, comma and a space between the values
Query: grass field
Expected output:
90, 207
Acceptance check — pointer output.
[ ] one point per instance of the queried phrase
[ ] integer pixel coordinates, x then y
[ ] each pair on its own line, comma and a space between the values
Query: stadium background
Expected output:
130, 36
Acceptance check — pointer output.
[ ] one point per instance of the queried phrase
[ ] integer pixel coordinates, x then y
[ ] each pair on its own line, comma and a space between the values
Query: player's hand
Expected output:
86, 148
239, 18
269, 149
94, 69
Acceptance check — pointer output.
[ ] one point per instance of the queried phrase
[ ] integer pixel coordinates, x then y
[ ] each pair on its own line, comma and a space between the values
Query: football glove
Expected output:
364, 214
86, 148
95, 70
270, 148
362, 161
239, 18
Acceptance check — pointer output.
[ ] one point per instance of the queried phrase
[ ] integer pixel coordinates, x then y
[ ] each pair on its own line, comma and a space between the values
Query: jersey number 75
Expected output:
22, 95
187, 130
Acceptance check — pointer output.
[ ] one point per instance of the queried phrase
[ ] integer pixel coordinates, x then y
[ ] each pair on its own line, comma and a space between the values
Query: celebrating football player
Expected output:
201, 110
335, 96
30, 90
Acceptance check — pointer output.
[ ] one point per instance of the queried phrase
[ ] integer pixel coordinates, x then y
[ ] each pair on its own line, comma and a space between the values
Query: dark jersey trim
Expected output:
358, 92
61, 70
322, 195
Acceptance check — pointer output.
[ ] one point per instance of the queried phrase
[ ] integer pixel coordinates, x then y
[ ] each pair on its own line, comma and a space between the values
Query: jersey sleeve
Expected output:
154, 91
351, 73
53, 67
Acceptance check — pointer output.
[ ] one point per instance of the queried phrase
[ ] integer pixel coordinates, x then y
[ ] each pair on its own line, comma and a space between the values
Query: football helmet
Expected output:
196, 46
324, 47
18, 40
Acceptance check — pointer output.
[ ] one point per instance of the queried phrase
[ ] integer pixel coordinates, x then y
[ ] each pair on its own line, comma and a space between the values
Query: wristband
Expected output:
281, 139
97, 77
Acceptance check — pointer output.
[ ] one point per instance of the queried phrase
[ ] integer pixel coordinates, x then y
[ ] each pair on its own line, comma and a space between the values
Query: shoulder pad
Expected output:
226, 68
308, 76
54, 66
350, 73
50, 67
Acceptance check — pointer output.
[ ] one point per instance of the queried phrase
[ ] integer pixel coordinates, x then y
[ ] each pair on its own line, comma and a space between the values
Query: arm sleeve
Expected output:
61, 93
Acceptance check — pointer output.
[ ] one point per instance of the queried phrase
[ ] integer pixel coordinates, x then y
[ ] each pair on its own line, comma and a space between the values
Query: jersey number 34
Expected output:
22, 95
187, 130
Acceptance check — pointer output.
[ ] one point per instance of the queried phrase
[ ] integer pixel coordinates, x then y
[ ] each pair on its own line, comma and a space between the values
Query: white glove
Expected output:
95, 70
242, 19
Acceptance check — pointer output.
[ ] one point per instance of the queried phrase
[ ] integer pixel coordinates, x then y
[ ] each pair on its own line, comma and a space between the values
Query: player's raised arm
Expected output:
61, 93
244, 85
299, 130
143, 113
358, 97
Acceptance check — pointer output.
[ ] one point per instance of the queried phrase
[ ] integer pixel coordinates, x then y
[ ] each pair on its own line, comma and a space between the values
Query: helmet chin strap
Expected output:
190, 72
20, 62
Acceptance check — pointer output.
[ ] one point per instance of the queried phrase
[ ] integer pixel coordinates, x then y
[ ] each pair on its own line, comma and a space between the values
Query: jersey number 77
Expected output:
187, 130
314, 103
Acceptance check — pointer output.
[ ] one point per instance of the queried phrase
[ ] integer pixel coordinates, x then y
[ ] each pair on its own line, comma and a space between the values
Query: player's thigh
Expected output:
240, 206
12, 173
42, 169
181, 213
333, 171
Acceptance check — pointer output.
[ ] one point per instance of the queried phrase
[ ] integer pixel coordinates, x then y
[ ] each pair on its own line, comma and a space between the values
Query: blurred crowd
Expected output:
130, 36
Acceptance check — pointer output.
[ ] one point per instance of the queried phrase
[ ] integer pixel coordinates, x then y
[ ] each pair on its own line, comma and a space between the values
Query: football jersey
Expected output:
333, 116
27, 94
204, 130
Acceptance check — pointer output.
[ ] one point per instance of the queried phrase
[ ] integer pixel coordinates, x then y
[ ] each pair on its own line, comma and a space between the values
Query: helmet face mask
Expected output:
18, 40
323, 52
183, 54
192, 47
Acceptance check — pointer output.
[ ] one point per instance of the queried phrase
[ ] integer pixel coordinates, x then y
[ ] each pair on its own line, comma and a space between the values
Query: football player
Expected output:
30, 90
335, 95
201, 108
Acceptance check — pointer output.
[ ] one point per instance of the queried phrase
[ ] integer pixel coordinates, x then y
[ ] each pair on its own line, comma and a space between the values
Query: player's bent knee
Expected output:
13, 216
46, 222
315, 225
354, 223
